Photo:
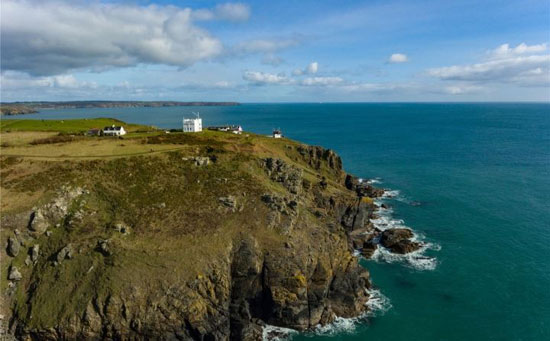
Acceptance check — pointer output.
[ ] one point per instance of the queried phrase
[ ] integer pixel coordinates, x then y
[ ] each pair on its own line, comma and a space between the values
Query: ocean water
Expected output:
473, 180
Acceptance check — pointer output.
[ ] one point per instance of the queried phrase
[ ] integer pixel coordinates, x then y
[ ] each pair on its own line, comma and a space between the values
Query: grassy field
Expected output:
75, 126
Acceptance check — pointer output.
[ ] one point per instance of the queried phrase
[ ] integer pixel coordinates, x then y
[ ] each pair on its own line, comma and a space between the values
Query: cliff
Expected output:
203, 236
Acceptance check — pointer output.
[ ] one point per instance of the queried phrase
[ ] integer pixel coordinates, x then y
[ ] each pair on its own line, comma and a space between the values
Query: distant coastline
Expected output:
22, 108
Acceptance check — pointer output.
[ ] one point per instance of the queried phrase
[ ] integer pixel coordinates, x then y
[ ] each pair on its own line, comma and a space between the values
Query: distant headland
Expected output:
20, 108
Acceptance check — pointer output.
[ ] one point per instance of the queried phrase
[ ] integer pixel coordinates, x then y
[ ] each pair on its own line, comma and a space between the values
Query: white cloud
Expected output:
259, 78
65, 36
461, 89
531, 70
398, 58
311, 69
11, 80
321, 81
228, 11
505, 51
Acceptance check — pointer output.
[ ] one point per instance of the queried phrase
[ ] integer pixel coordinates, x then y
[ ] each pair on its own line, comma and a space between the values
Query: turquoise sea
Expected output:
473, 179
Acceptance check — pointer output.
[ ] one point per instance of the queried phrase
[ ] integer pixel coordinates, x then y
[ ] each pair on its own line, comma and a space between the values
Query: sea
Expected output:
471, 179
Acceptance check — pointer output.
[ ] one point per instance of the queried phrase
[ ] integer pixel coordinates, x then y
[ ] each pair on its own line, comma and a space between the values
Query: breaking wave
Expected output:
378, 304
416, 259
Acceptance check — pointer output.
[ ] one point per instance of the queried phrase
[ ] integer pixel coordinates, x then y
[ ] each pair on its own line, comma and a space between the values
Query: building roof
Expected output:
113, 128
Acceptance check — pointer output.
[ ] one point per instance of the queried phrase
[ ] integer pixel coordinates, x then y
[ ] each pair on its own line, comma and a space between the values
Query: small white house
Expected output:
192, 125
277, 133
114, 131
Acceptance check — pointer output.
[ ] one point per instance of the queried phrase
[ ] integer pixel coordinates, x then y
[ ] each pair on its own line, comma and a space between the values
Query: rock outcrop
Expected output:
398, 240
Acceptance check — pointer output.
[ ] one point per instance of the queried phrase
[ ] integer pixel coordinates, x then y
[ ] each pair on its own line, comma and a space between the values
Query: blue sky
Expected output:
276, 51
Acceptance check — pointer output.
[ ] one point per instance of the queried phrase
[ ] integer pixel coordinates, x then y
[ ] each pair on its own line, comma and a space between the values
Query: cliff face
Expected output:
167, 247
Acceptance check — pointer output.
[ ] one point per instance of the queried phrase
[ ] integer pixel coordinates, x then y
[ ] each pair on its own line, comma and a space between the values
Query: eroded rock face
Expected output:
289, 176
398, 241
49, 214
315, 156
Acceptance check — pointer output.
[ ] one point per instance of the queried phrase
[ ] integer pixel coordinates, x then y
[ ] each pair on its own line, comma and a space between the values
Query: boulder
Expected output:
38, 222
398, 241
14, 274
229, 201
65, 253
13, 246
34, 253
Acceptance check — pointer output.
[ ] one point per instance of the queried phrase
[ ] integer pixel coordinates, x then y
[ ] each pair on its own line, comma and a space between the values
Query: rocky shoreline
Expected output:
296, 271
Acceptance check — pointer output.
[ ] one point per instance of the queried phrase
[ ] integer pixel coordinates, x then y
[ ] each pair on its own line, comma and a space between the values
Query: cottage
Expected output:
277, 133
94, 132
192, 125
235, 129
114, 131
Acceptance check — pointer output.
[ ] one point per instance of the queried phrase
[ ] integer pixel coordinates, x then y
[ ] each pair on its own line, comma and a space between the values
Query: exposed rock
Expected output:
13, 246
14, 274
103, 247
57, 209
280, 204
398, 241
201, 160
122, 228
34, 253
289, 176
317, 156
229, 201
65, 253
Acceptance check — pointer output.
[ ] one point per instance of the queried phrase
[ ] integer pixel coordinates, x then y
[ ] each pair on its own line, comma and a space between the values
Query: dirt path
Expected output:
75, 157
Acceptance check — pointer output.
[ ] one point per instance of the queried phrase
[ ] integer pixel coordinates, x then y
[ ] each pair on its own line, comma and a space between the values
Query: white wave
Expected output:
374, 181
378, 304
274, 333
391, 193
416, 259
384, 221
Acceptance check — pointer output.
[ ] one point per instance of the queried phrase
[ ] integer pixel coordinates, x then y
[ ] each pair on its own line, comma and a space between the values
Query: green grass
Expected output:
73, 126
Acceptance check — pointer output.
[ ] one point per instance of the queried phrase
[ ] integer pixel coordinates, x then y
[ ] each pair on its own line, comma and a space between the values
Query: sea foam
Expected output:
416, 259
377, 305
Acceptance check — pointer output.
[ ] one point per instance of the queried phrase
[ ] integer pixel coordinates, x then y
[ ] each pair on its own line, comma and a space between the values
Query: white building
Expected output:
192, 125
114, 131
277, 133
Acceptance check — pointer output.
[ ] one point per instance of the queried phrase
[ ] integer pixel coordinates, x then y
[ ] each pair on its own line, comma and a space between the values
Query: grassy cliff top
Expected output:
181, 198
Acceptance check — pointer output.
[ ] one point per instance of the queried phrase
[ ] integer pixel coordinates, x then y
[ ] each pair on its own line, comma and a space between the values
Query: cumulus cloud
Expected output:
311, 69
261, 78
398, 58
321, 81
227, 11
512, 65
505, 51
48, 38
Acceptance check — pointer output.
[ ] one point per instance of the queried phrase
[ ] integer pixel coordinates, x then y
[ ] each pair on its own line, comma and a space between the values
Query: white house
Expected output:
192, 125
114, 131
277, 133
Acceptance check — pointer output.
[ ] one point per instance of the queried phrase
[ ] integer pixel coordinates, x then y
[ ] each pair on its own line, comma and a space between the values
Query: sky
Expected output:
275, 51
